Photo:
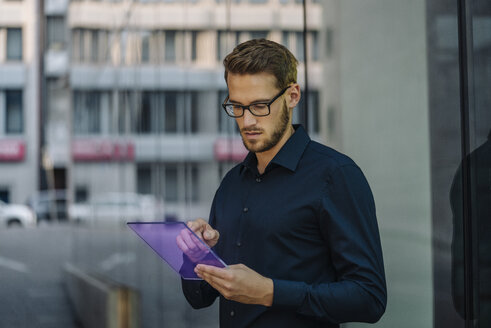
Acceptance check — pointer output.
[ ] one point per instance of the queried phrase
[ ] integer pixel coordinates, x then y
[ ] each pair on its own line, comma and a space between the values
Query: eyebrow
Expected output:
253, 102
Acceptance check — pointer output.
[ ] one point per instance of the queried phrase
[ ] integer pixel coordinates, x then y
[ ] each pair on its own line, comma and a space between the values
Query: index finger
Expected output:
197, 225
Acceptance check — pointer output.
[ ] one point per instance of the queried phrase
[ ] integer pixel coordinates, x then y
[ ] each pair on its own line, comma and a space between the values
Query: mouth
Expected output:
251, 134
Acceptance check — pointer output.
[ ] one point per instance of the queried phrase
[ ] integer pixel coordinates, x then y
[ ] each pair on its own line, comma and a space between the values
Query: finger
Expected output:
181, 244
198, 242
210, 233
214, 271
216, 282
197, 225
187, 239
195, 228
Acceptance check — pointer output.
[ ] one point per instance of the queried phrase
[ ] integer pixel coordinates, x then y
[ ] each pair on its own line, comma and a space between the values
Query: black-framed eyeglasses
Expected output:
256, 109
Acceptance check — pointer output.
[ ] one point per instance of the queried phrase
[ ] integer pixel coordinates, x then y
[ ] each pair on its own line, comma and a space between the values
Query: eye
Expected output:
260, 106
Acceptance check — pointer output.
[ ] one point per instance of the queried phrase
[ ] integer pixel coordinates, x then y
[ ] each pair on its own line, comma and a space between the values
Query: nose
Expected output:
249, 119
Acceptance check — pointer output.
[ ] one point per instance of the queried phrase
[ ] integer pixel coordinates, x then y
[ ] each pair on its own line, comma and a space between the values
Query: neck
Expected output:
265, 157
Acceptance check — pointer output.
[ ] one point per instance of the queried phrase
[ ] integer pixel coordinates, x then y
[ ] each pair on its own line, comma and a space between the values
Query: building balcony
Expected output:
13, 75
56, 63
148, 77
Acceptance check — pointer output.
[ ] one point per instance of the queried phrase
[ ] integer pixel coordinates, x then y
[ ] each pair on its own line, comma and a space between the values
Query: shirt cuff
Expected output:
288, 294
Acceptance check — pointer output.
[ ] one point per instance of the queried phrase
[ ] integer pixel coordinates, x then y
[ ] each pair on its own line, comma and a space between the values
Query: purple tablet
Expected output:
178, 245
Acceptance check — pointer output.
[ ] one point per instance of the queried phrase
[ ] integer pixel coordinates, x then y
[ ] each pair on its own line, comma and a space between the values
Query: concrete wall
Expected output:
384, 106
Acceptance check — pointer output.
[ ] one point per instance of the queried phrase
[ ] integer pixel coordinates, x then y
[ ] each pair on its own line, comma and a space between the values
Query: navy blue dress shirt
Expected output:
308, 223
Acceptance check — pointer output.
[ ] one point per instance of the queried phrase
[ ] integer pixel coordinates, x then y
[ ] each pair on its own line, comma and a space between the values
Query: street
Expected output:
31, 289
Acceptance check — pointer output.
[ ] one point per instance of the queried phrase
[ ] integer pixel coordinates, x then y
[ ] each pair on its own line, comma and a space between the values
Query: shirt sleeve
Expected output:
199, 293
349, 226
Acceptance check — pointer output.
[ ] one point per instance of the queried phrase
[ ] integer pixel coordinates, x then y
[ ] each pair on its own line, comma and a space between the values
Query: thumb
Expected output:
209, 233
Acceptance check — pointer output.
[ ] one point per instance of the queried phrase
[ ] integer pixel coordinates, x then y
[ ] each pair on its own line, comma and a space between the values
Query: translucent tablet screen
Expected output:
177, 245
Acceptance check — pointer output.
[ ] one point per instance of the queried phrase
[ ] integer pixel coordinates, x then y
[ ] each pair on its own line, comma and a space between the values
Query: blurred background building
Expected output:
131, 93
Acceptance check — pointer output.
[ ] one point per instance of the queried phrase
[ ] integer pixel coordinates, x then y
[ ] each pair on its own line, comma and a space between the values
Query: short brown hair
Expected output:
263, 56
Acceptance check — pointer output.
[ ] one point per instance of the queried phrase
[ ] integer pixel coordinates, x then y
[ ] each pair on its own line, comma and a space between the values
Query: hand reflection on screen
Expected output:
192, 246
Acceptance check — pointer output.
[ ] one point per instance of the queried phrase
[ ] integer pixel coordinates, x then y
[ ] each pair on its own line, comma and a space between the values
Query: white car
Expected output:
16, 215
117, 208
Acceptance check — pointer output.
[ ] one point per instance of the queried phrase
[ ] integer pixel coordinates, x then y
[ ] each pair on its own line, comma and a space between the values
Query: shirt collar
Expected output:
288, 156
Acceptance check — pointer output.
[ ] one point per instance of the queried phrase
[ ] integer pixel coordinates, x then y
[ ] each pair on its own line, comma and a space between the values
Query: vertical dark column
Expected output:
305, 114
445, 148
42, 182
465, 79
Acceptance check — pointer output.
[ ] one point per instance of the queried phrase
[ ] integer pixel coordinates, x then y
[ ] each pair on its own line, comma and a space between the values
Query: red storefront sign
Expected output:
229, 149
12, 150
102, 150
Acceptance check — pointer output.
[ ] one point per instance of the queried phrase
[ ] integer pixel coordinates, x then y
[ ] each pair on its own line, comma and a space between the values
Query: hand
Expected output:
238, 283
190, 245
204, 231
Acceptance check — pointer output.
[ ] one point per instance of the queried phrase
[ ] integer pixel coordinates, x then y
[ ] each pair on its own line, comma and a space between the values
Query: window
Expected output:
226, 41
259, 34
191, 183
77, 45
176, 182
192, 122
170, 46
4, 195
313, 45
89, 45
171, 119
81, 194
285, 39
160, 112
14, 44
144, 179
14, 114
313, 114
145, 47
299, 52
171, 185
55, 38
294, 42
124, 113
144, 122
194, 37
94, 46
226, 124
87, 112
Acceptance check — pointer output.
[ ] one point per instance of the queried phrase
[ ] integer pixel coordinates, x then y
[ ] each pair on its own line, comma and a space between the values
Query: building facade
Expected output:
133, 93
19, 100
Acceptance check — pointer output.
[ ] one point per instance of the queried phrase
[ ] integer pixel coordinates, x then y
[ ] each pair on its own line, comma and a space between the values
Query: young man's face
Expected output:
259, 134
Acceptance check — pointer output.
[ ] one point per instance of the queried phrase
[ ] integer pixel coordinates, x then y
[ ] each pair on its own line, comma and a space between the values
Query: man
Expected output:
295, 221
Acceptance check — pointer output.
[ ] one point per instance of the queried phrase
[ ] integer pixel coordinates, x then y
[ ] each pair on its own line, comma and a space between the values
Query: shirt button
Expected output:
258, 179
239, 244
245, 209
232, 313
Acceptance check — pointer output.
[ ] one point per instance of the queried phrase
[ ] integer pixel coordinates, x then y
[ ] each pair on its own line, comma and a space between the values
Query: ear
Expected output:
293, 96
